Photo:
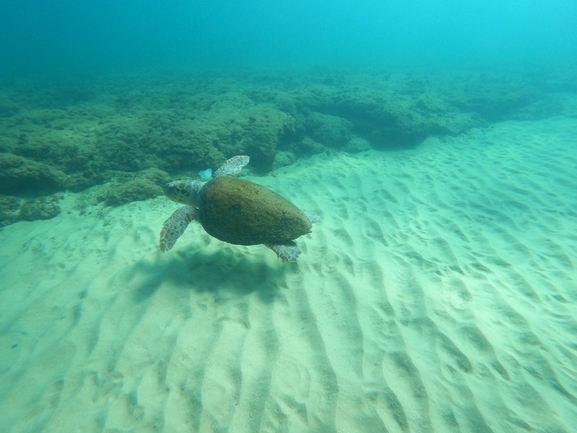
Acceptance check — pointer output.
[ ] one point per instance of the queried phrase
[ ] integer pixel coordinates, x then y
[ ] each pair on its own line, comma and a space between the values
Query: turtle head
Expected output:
183, 192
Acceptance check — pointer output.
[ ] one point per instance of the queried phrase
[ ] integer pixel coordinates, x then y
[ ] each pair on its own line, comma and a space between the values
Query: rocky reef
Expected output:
132, 133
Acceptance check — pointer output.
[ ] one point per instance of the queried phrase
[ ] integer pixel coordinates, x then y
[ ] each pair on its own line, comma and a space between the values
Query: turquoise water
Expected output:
437, 140
65, 36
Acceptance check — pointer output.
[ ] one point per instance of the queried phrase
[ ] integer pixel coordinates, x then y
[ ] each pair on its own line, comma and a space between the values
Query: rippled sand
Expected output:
438, 295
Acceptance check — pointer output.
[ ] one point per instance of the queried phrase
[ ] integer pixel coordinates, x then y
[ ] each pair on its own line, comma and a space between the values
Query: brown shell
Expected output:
244, 213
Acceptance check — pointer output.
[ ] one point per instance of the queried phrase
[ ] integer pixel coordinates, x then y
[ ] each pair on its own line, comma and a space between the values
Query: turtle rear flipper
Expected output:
175, 226
315, 218
232, 166
288, 251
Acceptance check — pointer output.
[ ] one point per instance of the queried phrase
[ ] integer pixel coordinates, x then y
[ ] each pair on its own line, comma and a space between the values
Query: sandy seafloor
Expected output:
439, 294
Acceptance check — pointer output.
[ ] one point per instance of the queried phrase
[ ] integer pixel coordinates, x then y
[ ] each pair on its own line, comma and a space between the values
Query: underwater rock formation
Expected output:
19, 174
64, 137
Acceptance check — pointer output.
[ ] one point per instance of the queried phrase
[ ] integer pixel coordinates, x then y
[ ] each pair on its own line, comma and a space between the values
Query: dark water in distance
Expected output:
67, 35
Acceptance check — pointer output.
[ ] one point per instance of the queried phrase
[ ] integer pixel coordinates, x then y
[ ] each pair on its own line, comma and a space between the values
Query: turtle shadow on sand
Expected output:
222, 272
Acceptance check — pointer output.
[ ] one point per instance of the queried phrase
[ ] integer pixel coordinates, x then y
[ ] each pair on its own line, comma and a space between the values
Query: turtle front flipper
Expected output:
175, 226
232, 166
288, 251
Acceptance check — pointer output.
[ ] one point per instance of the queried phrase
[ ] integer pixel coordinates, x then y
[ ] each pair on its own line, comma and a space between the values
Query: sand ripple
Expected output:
438, 294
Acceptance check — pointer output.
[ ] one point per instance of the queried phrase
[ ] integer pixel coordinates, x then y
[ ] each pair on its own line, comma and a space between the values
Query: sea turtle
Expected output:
236, 211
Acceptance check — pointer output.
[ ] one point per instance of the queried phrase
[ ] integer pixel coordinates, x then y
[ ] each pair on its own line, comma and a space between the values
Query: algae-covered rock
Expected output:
492, 96
80, 181
284, 158
332, 131
199, 130
77, 135
9, 206
22, 175
307, 146
145, 185
41, 208
235, 124
357, 144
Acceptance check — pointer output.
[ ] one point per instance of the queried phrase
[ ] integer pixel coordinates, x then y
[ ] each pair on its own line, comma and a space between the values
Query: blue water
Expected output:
437, 139
68, 35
